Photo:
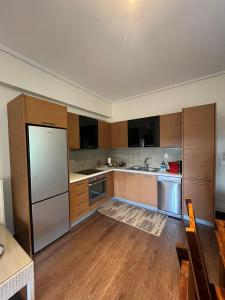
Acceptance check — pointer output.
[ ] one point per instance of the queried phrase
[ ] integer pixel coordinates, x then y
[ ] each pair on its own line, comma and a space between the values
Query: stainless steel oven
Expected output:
97, 188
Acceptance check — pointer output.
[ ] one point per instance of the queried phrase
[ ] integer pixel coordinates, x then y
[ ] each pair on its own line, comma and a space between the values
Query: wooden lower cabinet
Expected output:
79, 200
119, 184
201, 193
148, 190
132, 187
109, 185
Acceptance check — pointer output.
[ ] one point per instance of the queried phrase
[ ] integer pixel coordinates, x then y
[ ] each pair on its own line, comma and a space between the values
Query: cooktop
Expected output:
89, 171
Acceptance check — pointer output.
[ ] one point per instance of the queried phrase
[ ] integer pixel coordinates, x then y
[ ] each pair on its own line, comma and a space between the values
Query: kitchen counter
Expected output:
74, 177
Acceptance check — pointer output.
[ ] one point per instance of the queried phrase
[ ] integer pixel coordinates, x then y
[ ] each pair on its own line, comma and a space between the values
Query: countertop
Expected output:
14, 258
74, 177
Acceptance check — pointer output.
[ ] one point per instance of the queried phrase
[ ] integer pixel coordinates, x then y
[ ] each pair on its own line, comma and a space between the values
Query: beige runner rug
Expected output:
147, 220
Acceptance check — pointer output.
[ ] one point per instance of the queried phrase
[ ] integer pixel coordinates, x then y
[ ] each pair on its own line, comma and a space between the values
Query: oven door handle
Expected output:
91, 184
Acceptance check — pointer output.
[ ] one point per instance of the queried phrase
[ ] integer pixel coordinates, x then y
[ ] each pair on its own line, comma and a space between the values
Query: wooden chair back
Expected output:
196, 258
194, 282
220, 236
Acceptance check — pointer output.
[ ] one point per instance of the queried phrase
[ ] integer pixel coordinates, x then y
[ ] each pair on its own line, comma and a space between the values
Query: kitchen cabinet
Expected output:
199, 127
41, 112
88, 132
119, 184
171, 130
79, 199
201, 194
199, 159
109, 185
119, 134
104, 135
143, 132
148, 190
198, 164
21, 111
132, 186
73, 131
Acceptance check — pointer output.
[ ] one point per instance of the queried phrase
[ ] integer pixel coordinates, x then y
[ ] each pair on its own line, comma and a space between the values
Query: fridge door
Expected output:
48, 162
50, 220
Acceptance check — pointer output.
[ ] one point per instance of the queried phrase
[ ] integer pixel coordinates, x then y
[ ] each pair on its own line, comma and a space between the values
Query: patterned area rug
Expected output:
147, 220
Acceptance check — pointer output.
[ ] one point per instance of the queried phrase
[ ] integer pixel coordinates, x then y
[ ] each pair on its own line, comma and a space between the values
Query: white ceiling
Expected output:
118, 48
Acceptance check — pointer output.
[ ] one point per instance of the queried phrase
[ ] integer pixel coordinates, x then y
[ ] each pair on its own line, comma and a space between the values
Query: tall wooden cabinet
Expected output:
199, 159
21, 111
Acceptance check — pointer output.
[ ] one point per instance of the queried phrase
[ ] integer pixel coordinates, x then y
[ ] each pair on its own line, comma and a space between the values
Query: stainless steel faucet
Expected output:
146, 164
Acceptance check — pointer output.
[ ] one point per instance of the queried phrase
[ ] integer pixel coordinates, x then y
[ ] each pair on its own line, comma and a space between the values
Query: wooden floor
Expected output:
105, 259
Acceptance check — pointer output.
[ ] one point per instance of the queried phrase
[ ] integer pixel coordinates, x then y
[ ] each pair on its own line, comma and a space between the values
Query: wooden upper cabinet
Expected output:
43, 112
132, 186
119, 134
119, 184
104, 135
171, 130
73, 131
148, 190
199, 126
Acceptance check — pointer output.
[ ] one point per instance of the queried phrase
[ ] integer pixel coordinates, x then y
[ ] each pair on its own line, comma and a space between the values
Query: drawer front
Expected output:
148, 190
45, 113
201, 193
79, 186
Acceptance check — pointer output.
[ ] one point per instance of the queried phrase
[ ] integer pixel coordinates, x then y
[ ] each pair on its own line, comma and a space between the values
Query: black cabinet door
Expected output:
88, 132
144, 132
134, 133
150, 132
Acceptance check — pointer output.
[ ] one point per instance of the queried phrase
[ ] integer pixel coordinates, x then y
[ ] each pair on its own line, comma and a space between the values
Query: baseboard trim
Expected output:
200, 221
82, 218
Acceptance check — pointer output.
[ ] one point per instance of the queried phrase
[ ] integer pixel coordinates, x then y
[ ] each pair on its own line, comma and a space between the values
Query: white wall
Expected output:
18, 74
173, 100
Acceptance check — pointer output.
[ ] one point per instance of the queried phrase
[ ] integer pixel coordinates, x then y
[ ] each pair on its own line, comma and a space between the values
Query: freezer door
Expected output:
50, 220
48, 162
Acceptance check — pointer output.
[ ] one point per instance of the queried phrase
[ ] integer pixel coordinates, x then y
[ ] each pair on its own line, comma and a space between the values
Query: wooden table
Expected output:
16, 268
220, 237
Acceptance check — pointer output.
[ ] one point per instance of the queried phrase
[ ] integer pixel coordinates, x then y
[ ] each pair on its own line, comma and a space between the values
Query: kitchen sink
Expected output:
136, 168
140, 168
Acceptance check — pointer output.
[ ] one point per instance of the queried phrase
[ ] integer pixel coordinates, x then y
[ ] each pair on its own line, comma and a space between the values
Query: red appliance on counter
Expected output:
174, 167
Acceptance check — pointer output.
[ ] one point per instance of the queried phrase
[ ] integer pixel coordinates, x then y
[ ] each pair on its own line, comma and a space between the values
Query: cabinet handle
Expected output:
149, 145
48, 123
